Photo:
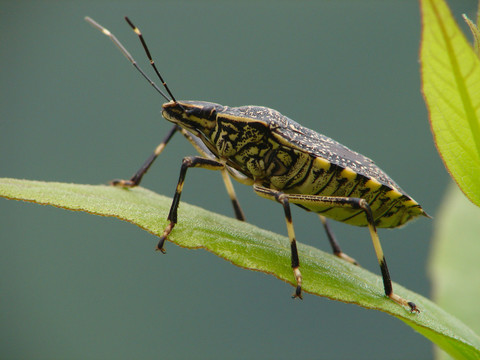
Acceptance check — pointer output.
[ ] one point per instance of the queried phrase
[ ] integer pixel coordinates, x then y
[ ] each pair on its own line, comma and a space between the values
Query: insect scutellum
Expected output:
283, 161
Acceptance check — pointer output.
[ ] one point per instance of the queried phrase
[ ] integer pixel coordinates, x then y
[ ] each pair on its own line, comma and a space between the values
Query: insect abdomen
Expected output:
288, 157
311, 175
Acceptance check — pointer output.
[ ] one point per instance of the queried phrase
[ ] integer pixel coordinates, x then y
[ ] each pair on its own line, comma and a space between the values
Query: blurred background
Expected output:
72, 109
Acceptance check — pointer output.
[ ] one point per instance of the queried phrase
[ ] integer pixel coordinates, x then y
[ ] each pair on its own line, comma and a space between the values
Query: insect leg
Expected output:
387, 283
198, 145
188, 162
283, 199
137, 177
334, 244
233, 196
356, 203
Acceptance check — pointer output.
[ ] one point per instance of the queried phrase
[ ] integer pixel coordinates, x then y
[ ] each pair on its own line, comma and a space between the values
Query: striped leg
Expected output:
283, 199
188, 162
200, 147
334, 244
387, 283
354, 203
137, 177
233, 196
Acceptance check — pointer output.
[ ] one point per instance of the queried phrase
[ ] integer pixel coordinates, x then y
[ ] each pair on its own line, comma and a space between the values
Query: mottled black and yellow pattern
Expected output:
269, 148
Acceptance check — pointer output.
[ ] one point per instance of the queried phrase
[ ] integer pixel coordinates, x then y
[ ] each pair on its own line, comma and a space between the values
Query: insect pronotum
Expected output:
283, 161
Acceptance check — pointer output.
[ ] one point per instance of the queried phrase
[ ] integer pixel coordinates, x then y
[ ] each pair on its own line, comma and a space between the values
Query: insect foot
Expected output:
166, 232
122, 183
298, 289
401, 301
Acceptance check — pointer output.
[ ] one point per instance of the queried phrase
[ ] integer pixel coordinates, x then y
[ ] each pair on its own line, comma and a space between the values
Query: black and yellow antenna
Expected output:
132, 60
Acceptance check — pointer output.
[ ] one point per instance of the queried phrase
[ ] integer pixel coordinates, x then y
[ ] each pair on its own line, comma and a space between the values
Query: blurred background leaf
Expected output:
454, 264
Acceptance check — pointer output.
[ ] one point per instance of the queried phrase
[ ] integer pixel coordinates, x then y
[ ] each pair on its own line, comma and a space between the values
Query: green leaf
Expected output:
451, 85
454, 264
252, 248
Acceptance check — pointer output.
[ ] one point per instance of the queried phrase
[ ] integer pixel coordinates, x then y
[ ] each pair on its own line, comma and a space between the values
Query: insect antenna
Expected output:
130, 57
147, 51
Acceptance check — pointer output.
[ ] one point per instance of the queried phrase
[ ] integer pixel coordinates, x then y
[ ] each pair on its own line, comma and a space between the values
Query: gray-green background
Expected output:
72, 109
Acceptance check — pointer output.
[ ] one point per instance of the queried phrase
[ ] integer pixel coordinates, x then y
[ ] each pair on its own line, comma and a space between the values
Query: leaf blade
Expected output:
451, 86
252, 248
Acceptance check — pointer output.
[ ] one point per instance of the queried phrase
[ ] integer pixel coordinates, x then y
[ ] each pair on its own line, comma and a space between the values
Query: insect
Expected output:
284, 162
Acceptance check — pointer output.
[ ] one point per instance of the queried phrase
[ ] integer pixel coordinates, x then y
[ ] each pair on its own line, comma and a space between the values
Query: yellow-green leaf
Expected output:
451, 85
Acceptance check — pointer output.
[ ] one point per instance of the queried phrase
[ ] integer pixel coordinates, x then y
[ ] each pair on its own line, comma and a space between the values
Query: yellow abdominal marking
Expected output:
393, 194
410, 203
373, 184
348, 174
322, 163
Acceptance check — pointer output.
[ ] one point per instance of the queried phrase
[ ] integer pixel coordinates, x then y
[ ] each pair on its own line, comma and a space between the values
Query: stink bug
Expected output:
284, 162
